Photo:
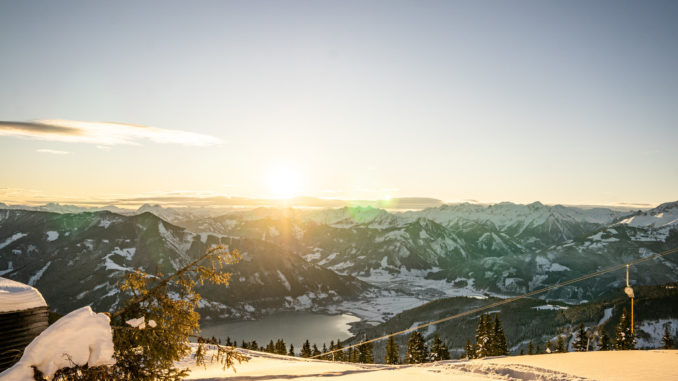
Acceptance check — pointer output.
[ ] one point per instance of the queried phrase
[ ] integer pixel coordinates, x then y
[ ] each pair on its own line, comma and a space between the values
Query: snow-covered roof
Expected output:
15, 296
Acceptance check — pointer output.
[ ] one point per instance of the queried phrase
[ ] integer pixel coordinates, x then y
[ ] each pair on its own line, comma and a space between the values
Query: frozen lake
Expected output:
294, 327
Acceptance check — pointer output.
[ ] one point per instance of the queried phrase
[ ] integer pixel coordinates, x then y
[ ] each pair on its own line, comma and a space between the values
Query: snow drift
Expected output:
81, 337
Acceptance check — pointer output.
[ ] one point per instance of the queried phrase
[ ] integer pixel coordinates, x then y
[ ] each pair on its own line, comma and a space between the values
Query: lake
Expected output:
294, 327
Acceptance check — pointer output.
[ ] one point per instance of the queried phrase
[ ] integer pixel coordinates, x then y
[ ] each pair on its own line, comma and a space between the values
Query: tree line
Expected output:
490, 340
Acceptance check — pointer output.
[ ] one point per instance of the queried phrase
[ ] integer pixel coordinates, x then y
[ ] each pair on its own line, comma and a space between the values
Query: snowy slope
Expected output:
663, 216
623, 365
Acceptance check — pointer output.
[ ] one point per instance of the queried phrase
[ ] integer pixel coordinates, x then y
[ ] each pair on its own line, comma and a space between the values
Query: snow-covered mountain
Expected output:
77, 259
457, 250
504, 248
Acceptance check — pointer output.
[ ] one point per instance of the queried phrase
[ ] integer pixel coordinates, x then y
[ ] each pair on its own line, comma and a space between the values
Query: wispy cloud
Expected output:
102, 133
52, 151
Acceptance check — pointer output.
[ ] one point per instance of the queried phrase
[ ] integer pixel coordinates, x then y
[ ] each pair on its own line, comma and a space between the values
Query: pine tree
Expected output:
315, 351
561, 347
170, 301
305, 350
354, 355
254, 345
244, 345
522, 351
391, 352
439, 350
604, 343
549, 346
280, 347
331, 355
482, 346
667, 340
270, 348
530, 348
291, 352
228, 341
537, 350
417, 352
624, 339
325, 356
339, 356
365, 354
581, 340
499, 344
469, 351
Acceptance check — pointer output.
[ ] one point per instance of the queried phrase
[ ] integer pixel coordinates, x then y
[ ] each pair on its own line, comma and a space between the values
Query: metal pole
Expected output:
627, 285
632, 316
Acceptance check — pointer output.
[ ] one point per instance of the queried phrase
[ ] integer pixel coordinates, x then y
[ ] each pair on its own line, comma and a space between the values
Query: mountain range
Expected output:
341, 260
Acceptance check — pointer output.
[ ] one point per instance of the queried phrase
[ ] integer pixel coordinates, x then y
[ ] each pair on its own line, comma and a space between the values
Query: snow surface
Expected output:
656, 220
126, 253
35, 278
607, 314
15, 296
52, 235
604, 366
11, 239
81, 337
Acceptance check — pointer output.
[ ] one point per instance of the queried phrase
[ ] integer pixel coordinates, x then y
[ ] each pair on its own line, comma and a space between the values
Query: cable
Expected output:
509, 300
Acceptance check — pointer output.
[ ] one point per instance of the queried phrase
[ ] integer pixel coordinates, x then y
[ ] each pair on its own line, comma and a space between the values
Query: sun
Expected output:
284, 182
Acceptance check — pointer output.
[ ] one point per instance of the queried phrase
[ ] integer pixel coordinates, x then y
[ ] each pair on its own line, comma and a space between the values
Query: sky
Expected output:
569, 102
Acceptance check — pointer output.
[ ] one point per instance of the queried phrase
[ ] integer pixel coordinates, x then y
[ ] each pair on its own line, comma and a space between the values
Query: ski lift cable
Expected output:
507, 301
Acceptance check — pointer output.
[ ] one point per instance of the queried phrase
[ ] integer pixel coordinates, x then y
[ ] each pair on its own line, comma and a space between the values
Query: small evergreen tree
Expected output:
667, 339
561, 346
537, 350
270, 348
170, 301
604, 342
580, 340
549, 346
469, 351
391, 352
330, 352
228, 342
530, 348
280, 347
522, 351
499, 345
482, 347
354, 355
305, 350
339, 356
624, 338
315, 351
365, 352
439, 350
325, 357
417, 352
291, 352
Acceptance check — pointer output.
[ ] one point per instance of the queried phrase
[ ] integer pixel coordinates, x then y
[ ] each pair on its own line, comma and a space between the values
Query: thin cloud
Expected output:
102, 133
52, 151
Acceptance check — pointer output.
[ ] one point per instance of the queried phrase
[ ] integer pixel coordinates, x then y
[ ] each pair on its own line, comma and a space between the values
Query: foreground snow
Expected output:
625, 365
81, 337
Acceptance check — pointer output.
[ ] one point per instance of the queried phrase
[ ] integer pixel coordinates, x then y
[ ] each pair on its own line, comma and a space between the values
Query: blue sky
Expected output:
563, 102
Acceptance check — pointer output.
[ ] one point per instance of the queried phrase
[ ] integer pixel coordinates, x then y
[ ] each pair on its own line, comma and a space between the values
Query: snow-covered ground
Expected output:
621, 365
81, 337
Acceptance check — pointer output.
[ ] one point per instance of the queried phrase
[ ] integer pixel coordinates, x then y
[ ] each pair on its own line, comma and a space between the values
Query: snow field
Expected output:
604, 366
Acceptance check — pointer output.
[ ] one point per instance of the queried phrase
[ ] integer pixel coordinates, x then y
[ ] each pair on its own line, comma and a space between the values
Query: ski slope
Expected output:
621, 365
